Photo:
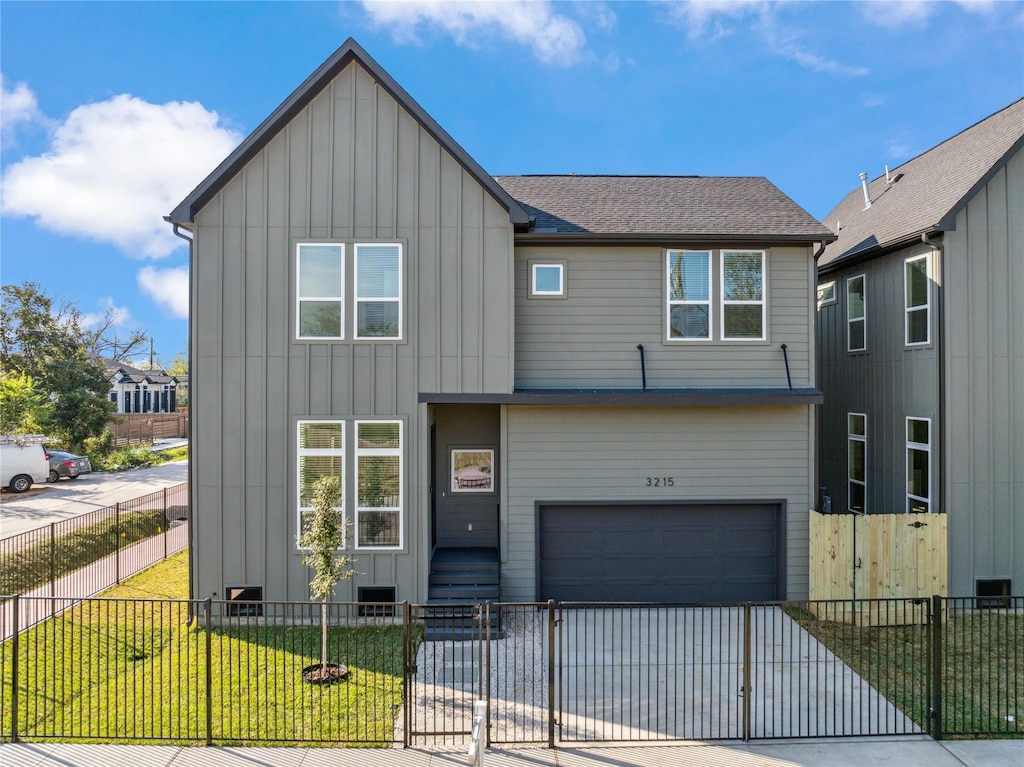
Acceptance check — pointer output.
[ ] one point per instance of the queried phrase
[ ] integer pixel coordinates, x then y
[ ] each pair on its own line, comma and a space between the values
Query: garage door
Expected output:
659, 553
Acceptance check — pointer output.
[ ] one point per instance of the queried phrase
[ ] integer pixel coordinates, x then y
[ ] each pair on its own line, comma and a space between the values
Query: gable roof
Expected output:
657, 207
125, 373
928, 192
185, 212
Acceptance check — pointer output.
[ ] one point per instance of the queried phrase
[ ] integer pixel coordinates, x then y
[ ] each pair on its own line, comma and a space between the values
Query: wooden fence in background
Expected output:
133, 428
877, 556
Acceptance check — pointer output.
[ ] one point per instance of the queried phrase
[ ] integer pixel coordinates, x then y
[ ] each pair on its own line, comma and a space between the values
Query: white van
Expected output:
23, 461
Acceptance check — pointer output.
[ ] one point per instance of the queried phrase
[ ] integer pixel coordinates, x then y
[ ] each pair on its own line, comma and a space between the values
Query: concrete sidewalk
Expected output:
908, 751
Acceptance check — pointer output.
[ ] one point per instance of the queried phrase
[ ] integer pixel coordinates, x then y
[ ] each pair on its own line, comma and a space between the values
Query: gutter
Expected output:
940, 347
669, 239
178, 229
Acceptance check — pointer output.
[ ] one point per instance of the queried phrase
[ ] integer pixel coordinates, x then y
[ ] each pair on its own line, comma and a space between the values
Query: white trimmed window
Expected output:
856, 459
320, 282
378, 290
826, 294
689, 294
917, 300
379, 484
856, 314
547, 280
743, 295
919, 459
321, 453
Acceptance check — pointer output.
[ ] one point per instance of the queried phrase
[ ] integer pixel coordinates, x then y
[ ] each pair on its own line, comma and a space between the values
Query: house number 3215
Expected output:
661, 481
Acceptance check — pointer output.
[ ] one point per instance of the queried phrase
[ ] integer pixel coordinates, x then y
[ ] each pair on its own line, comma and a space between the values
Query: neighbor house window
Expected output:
856, 314
856, 452
378, 290
321, 453
547, 280
916, 297
919, 456
826, 294
321, 290
689, 294
379, 483
743, 294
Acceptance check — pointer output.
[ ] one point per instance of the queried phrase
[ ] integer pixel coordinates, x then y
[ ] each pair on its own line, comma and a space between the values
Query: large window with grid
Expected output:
689, 294
378, 290
320, 282
743, 294
379, 484
716, 295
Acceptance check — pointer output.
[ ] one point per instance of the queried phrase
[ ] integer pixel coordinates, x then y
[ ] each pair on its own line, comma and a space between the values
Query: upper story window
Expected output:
743, 294
919, 459
321, 291
547, 280
708, 290
689, 294
826, 294
322, 274
856, 314
856, 459
917, 300
378, 290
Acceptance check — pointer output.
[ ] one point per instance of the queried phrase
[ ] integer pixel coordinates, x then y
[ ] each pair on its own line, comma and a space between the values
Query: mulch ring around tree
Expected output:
318, 674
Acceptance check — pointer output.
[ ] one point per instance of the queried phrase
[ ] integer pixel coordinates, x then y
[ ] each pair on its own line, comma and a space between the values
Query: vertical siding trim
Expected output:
481, 282
374, 157
243, 243
459, 252
352, 162
291, 287
438, 259
264, 296
331, 141
222, 492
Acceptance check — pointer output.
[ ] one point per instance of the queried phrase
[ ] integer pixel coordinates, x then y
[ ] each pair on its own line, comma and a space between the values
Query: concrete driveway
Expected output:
65, 499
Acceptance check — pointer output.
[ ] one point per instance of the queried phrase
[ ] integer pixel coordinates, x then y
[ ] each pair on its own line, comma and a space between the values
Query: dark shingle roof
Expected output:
930, 190
661, 205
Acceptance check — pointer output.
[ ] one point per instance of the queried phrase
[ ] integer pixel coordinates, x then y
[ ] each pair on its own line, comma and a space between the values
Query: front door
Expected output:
465, 466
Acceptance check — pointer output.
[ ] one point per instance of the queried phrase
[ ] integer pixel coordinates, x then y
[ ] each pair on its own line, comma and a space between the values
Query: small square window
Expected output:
547, 280
826, 294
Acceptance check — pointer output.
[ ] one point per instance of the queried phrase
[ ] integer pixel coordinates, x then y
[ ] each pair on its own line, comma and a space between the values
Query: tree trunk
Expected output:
323, 636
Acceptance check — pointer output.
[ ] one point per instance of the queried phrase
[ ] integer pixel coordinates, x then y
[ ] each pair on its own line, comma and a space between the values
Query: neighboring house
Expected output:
922, 349
142, 391
464, 352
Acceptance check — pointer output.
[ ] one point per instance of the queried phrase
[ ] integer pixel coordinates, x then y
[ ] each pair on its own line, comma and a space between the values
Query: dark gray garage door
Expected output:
659, 553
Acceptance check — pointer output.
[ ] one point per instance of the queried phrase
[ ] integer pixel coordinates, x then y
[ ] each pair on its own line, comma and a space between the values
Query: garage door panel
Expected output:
659, 553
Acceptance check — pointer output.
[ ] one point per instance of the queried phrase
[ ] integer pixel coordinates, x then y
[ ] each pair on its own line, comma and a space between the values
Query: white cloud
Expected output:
168, 287
711, 18
900, 14
553, 38
17, 105
115, 168
120, 315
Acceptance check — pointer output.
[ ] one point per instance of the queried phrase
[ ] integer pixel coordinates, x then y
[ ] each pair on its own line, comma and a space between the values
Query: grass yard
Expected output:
137, 670
982, 667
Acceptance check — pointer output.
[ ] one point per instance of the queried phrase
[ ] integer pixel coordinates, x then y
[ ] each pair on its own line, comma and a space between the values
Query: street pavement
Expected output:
65, 499
907, 751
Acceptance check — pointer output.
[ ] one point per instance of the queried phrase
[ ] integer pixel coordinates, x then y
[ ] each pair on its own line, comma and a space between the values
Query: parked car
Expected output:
67, 465
22, 461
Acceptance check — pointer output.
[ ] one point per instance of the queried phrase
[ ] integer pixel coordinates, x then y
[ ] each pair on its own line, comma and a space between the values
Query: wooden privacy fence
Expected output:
877, 556
130, 428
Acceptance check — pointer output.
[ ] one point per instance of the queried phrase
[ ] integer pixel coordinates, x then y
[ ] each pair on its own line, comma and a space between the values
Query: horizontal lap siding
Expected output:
616, 300
353, 164
606, 454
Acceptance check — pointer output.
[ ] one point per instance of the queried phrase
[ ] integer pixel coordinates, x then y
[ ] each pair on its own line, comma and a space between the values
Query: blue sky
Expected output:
112, 112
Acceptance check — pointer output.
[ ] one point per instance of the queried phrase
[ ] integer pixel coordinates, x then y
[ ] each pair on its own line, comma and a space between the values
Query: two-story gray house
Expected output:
586, 387
922, 349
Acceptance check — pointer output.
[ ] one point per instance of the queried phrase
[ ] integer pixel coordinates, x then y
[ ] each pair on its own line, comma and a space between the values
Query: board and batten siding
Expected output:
887, 382
984, 373
355, 165
580, 454
616, 299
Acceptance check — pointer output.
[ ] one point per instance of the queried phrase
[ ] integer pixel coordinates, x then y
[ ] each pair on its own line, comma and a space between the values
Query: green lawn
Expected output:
982, 667
133, 668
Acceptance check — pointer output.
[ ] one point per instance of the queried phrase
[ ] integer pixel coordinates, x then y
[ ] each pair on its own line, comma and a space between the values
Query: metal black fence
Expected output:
81, 556
228, 672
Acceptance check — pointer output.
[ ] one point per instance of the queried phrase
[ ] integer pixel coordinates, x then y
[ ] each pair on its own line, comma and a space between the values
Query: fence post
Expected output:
117, 542
936, 663
745, 693
207, 616
406, 676
14, 669
487, 683
53, 558
167, 523
551, 673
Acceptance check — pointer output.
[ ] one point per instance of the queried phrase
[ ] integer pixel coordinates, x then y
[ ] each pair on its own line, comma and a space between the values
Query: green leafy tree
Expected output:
48, 344
324, 538
23, 408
